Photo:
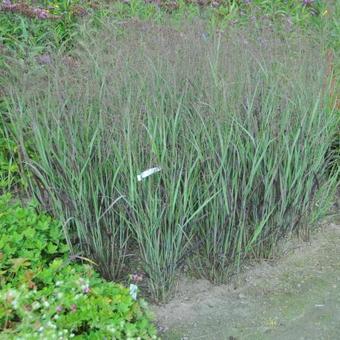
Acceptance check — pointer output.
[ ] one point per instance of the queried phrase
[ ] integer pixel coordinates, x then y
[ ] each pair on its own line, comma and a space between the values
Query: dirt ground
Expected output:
296, 297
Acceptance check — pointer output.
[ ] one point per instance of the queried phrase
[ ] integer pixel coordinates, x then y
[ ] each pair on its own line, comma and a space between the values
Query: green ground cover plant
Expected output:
28, 241
239, 123
72, 302
43, 295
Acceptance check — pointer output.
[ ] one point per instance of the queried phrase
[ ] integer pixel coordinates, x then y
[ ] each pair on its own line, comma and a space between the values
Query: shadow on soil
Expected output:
297, 297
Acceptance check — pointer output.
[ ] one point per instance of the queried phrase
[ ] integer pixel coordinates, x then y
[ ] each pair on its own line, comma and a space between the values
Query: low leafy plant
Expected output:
72, 301
28, 241
44, 295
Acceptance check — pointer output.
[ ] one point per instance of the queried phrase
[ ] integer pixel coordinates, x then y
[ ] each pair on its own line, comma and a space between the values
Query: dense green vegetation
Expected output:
234, 102
44, 295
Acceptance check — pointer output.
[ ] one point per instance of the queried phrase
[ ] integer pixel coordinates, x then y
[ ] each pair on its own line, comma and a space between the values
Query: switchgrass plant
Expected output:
237, 122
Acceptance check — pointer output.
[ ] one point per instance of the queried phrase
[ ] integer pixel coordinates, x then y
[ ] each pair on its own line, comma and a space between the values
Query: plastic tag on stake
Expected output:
133, 291
148, 173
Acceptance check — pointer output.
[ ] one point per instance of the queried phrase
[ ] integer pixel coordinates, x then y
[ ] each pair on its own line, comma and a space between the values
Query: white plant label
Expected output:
148, 173
133, 291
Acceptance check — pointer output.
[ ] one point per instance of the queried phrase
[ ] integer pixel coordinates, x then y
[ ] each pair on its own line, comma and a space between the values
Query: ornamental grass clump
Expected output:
236, 122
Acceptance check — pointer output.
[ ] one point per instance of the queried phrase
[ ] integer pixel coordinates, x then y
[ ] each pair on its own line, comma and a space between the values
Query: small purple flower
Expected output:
7, 2
59, 309
40, 13
73, 308
307, 2
86, 289
136, 277
247, 1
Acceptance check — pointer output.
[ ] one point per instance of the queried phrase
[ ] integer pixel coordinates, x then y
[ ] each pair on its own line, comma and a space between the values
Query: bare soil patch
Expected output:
295, 297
